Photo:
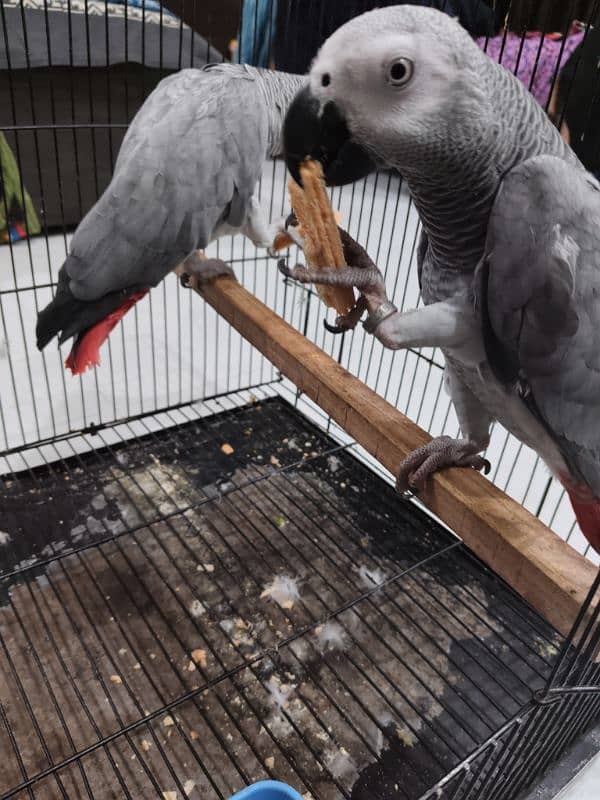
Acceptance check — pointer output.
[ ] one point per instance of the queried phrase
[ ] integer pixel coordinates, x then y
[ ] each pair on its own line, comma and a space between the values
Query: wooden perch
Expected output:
541, 567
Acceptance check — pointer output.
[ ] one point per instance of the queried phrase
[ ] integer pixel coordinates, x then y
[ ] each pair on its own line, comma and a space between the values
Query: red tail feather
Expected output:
587, 511
86, 350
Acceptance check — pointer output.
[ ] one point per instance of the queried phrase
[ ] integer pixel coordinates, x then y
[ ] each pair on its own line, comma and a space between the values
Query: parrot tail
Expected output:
89, 321
587, 511
85, 352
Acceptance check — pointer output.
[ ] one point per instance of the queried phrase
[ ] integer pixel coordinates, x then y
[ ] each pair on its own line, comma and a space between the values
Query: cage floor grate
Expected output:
238, 598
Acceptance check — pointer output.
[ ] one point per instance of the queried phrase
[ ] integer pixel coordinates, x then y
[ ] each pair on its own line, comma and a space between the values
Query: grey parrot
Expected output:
186, 173
509, 259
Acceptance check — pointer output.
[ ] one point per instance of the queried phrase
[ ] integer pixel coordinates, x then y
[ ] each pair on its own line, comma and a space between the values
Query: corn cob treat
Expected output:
318, 226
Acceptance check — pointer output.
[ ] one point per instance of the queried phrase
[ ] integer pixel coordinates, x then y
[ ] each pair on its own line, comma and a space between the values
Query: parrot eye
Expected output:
325, 79
400, 72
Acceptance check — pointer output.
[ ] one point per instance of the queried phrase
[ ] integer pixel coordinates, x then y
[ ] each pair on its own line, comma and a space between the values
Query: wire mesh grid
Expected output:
152, 719
145, 367
258, 607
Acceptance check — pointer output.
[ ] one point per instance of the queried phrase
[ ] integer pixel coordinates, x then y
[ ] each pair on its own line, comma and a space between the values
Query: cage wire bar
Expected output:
73, 74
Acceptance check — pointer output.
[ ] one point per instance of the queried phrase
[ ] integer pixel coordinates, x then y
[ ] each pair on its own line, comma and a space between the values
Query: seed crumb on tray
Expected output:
199, 657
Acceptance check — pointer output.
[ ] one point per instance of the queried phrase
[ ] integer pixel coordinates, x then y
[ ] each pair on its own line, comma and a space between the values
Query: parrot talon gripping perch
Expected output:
439, 453
197, 270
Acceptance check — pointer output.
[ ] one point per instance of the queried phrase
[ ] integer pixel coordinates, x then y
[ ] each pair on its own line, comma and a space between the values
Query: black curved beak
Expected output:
323, 135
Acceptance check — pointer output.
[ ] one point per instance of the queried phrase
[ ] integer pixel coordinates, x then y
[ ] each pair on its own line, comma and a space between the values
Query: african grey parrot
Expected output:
509, 259
187, 173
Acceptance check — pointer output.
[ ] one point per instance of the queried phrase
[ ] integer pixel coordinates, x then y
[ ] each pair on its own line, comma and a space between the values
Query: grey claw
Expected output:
335, 329
407, 491
283, 268
298, 273
346, 323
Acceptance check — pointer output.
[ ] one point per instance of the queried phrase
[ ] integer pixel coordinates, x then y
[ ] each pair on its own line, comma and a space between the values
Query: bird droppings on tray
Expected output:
331, 636
4, 538
279, 692
333, 463
371, 577
405, 736
205, 568
270, 762
227, 449
168, 721
283, 589
145, 745
116, 679
98, 502
197, 608
340, 764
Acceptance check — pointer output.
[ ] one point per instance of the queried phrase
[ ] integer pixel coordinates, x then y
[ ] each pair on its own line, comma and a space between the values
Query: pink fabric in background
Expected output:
548, 57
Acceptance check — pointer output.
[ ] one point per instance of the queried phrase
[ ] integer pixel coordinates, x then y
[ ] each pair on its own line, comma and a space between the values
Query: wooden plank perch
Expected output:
542, 568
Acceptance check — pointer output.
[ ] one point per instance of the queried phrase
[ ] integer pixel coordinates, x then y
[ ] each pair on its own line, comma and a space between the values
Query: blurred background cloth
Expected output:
535, 58
579, 100
303, 26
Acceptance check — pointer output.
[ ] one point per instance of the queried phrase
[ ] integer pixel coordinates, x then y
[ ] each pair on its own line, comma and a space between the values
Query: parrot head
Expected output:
383, 88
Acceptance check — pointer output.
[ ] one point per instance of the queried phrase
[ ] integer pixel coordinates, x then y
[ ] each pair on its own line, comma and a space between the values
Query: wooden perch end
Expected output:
539, 565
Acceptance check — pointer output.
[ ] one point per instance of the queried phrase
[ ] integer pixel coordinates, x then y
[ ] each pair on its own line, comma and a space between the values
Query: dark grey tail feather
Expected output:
66, 316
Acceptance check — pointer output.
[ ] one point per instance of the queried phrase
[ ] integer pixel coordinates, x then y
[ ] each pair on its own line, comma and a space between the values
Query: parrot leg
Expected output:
475, 423
443, 451
445, 324
198, 270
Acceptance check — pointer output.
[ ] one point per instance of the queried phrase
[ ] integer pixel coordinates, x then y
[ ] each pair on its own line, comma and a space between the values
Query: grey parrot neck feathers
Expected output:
454, 173
278, 90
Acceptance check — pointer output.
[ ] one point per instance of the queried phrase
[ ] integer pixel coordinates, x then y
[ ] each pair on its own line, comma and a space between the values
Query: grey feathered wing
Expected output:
539, 293
190, 160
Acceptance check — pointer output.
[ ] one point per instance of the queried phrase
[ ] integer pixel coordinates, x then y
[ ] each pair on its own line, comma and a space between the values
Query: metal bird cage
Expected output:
152, 510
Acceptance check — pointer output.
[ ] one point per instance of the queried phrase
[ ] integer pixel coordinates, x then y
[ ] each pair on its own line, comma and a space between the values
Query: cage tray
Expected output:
236, 599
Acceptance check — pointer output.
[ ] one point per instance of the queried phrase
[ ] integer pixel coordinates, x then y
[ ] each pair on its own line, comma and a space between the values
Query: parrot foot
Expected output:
364, 275
197, 271
443, 451
368, 281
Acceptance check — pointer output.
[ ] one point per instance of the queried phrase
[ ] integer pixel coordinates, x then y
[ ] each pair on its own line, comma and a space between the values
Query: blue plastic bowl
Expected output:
267, 790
